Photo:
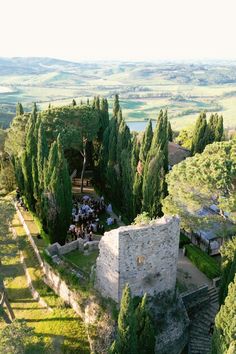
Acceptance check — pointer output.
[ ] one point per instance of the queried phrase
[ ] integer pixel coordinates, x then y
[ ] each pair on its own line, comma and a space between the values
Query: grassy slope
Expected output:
54, 328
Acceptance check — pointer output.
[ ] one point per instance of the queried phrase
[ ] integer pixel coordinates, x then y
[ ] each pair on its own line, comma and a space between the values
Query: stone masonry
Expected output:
143, 256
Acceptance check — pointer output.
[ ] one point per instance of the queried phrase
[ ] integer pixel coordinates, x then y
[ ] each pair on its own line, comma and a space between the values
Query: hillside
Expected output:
144, 88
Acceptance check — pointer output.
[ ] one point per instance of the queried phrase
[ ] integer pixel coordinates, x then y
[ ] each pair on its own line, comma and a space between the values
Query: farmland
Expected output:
184, 89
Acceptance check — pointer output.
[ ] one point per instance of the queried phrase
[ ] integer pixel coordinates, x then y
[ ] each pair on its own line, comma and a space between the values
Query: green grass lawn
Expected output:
203, 261
61, 330
82, 261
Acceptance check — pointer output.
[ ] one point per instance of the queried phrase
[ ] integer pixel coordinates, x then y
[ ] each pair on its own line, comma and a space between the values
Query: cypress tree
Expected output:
27, 166
224, 336
88, 103
116, 105
59, 197
211, 129
73, 102
153, 181
199, 137
145, 329
219, 129
19, 109
170, 132
97, 103
105, 113
140, 167
126, 340
146, 142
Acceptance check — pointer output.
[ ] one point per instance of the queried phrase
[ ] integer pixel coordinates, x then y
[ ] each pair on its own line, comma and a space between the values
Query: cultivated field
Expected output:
144, 88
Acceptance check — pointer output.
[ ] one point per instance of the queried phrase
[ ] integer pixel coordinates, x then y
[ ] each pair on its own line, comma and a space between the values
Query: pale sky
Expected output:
119, 30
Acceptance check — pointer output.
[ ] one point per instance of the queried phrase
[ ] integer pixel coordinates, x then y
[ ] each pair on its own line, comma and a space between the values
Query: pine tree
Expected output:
19, 109
126, 339
73, 102
145, 329
116, 105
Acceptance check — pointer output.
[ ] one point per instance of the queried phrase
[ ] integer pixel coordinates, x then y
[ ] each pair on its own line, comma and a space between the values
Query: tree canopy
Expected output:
203, 180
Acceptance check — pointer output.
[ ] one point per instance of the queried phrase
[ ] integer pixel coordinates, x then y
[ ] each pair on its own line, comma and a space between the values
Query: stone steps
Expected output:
200, 338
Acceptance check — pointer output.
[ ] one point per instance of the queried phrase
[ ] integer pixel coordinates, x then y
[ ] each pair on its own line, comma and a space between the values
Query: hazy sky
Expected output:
121, 29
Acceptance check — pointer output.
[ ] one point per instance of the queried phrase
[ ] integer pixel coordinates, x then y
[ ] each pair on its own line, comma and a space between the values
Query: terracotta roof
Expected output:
176, 153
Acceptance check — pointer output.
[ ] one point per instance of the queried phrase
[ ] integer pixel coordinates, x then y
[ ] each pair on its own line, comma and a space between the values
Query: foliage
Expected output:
142, 219
224, 337
228, 267
203, 180
19, 109
145, 329
203, 261
183, 240
126, 339
185, 138
57, 194
15, 337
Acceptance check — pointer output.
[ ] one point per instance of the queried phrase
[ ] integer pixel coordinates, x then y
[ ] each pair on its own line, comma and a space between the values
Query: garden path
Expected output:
188, 275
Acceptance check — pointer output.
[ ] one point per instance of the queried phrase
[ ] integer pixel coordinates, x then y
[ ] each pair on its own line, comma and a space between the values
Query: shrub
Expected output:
183, 240
203, 261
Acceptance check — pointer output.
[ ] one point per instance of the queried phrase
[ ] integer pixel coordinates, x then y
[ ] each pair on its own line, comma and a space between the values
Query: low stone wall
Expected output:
79, 244
29, 235
54, 281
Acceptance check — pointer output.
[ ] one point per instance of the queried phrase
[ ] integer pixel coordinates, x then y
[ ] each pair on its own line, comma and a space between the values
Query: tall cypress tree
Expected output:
126, 340
153, 181
140, 167
58, 192
199, 137
170, 132
145, 329
116, 105
146, 142
219, 129
28, 168
73, 102
224, 336
19, 109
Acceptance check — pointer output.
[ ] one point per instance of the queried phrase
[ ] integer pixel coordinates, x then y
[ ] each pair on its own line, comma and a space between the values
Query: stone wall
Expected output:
143, 256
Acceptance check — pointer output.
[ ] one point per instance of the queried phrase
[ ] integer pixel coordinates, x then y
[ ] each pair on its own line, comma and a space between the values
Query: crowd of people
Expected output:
85, 218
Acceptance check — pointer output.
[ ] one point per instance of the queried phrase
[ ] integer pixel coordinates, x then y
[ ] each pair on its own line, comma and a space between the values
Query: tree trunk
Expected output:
83, 169
4, 300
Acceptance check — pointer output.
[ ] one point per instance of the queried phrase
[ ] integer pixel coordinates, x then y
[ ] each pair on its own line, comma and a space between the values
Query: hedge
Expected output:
203, 261
183, 240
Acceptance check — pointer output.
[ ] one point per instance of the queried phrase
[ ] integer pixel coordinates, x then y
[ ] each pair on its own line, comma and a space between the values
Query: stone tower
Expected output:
143, 256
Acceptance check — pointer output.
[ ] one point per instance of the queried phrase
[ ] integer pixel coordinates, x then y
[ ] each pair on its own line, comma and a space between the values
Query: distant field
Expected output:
184, 89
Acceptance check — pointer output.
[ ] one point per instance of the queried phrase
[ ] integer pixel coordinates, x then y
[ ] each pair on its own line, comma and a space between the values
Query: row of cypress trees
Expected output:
133, 170
206, 132
44, 180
